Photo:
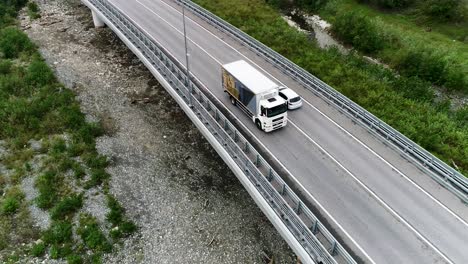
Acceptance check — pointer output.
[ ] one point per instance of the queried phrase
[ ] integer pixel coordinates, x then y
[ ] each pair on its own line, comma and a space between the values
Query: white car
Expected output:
292, 98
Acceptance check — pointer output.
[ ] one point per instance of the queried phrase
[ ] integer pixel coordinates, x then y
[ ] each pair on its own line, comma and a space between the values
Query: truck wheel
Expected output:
233, 101
259, 125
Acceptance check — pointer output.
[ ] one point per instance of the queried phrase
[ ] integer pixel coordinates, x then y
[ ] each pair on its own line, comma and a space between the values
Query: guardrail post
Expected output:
314, 227
333, 249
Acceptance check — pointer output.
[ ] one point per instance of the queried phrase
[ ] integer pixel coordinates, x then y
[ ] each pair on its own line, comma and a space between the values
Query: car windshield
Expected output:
279, 109
295, 99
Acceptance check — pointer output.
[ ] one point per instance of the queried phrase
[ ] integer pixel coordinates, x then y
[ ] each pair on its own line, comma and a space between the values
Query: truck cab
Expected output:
272, 114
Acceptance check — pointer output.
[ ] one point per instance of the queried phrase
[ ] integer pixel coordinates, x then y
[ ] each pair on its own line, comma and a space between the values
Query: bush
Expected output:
47, 184
59, 232
124, 229
98, 176
390, 4
74, 259
462, 116
116, 212
33, 10
356, 29
444, 10
92, 236
67, 206
39, 73
5, 66
10, 205
13, 42
424, 64
38, 250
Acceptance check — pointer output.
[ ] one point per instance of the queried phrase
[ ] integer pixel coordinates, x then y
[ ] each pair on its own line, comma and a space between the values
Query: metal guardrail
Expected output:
439, 170
311, 234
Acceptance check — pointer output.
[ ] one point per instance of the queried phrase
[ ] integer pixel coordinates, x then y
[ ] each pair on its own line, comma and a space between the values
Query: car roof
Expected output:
288, 92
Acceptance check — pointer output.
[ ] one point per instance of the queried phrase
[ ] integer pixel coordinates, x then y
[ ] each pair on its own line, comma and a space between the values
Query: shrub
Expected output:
356, 29
390, 4
59, 232
47, 184
74, 259
33, 10
444, 10
462, 116
13, 42
98, 176
10, 205
92, 236
424, 64
67, 206
116, 212
59, 146
5, 66
38, 249
39, 73
124, 229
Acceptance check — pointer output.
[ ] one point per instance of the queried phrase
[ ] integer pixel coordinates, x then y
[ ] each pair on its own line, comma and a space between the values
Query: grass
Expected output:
372, 86
33, 10
121, 227
34, 105
67, 207
92, 236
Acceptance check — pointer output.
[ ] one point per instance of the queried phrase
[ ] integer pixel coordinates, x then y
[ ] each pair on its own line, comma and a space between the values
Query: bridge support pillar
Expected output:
98, 22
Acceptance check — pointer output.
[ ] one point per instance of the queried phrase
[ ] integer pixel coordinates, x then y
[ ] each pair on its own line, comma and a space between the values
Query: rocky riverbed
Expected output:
188, 205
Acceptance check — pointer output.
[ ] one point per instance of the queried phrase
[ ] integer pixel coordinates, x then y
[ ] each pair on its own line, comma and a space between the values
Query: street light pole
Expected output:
187, 58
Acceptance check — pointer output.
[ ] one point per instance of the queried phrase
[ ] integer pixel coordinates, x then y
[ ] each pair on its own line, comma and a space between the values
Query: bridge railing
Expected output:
311, 234
437, 169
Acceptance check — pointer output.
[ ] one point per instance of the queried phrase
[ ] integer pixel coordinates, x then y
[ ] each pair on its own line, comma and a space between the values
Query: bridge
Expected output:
337, 183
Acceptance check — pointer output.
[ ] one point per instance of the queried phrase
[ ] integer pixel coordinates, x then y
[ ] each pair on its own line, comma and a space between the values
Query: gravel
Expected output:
188, 205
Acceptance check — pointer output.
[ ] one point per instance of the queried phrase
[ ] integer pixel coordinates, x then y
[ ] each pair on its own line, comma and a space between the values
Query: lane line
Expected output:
333, 122
390, 209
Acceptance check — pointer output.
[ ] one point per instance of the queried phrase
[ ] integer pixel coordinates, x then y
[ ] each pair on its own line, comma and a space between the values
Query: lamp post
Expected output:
187, 57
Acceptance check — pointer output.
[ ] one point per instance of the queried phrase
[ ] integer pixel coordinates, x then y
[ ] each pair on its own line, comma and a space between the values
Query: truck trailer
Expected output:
255, 94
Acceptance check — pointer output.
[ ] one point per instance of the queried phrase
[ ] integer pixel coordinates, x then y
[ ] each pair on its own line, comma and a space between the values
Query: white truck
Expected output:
255, 94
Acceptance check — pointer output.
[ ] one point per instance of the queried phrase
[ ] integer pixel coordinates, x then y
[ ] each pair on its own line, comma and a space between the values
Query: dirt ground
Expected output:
188, 205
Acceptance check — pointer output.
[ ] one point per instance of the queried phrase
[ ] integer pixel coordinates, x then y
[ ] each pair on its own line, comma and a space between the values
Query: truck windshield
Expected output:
277, 110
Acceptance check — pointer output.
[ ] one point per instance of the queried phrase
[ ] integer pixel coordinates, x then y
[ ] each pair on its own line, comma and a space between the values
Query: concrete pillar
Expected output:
97, 20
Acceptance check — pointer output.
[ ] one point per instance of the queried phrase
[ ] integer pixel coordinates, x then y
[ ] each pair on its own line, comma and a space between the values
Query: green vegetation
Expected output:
120, 226
356, 29
92, 236
401, 43
408, 35
379, 90
33, 10
35, 106
67, 207
38, 249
